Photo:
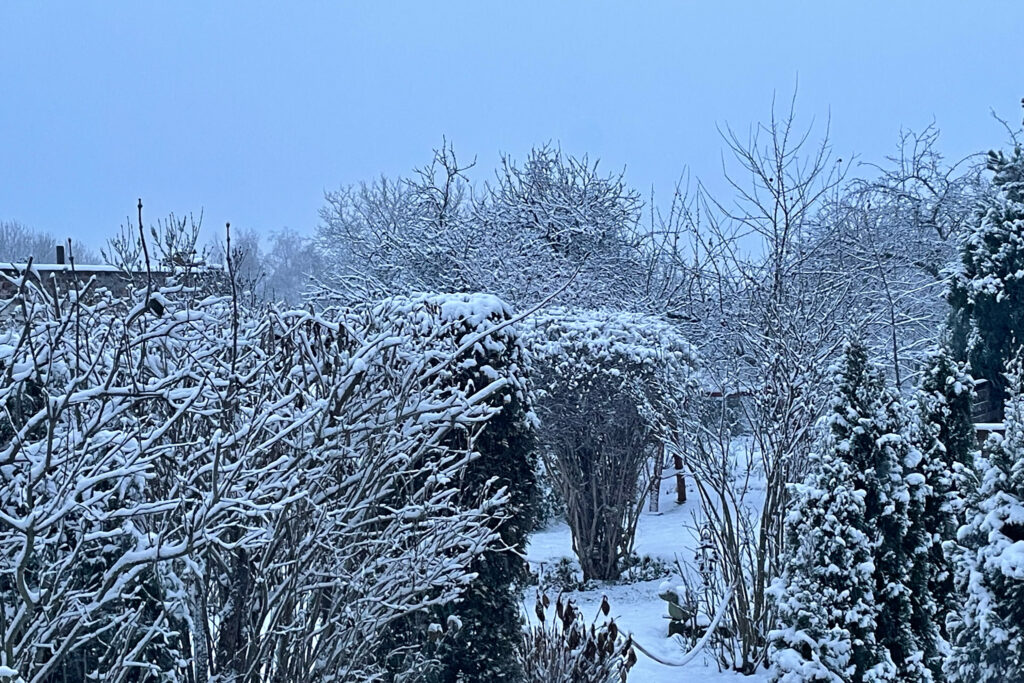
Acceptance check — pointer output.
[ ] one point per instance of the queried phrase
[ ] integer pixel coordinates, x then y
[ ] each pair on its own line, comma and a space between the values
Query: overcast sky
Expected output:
250, 110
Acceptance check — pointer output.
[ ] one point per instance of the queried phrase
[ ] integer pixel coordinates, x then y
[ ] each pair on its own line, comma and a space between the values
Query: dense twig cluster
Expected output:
220, 493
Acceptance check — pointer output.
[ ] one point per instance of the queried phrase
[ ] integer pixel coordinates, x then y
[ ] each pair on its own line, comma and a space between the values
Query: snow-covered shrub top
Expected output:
458, 334
577, 345
424, 311
601, 354
611, 387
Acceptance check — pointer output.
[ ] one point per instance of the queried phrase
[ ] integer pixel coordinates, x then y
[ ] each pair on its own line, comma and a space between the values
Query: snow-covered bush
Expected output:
564, 575
639, 568
561, 648
611, 389
988, 632
193, 489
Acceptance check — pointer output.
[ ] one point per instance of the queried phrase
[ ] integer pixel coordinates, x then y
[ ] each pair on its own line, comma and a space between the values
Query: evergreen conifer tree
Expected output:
854, 598
988, 633
919, 543
894, 507
475, 639
484, 646
826, 595
946, 438
987, 295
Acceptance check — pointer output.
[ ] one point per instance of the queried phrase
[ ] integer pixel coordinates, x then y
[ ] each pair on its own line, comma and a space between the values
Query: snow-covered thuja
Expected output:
946, 438
611, 386
987, 294
476, 349
887, 465
894, 506
987, 633
918, 545
197, 491
826, 596
869, 432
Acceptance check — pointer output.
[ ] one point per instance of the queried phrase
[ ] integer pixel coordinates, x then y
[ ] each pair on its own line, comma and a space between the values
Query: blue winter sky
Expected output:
250, 110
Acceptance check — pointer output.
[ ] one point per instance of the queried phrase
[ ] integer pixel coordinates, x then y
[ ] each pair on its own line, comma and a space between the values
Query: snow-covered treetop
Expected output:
424, 310
995, 248
1008, 173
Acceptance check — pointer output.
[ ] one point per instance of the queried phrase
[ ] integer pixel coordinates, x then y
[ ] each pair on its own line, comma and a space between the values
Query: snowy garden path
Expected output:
637, 607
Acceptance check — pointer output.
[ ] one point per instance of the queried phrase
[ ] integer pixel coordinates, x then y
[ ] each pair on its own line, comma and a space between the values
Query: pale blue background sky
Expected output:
250, 110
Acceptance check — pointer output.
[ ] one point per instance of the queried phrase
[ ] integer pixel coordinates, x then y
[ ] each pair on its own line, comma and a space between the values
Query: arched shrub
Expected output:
611, 387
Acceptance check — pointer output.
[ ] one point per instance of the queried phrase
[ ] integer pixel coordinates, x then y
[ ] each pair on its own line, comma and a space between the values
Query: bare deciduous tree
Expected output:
19, 243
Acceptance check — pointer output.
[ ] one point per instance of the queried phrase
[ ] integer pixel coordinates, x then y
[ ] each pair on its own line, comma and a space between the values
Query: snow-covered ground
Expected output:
636, 607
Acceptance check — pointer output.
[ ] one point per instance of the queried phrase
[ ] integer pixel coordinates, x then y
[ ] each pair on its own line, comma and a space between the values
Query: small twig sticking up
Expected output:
145, 251
234, 303
78, 309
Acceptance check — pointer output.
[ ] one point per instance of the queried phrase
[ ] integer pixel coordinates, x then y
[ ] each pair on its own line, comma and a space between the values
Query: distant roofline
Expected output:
18, 268
82, 267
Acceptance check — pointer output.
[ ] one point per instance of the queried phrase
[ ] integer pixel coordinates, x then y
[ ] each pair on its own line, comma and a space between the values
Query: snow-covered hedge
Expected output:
196, 489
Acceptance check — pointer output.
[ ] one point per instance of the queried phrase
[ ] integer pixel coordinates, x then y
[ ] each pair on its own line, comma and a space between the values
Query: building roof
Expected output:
59, 267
